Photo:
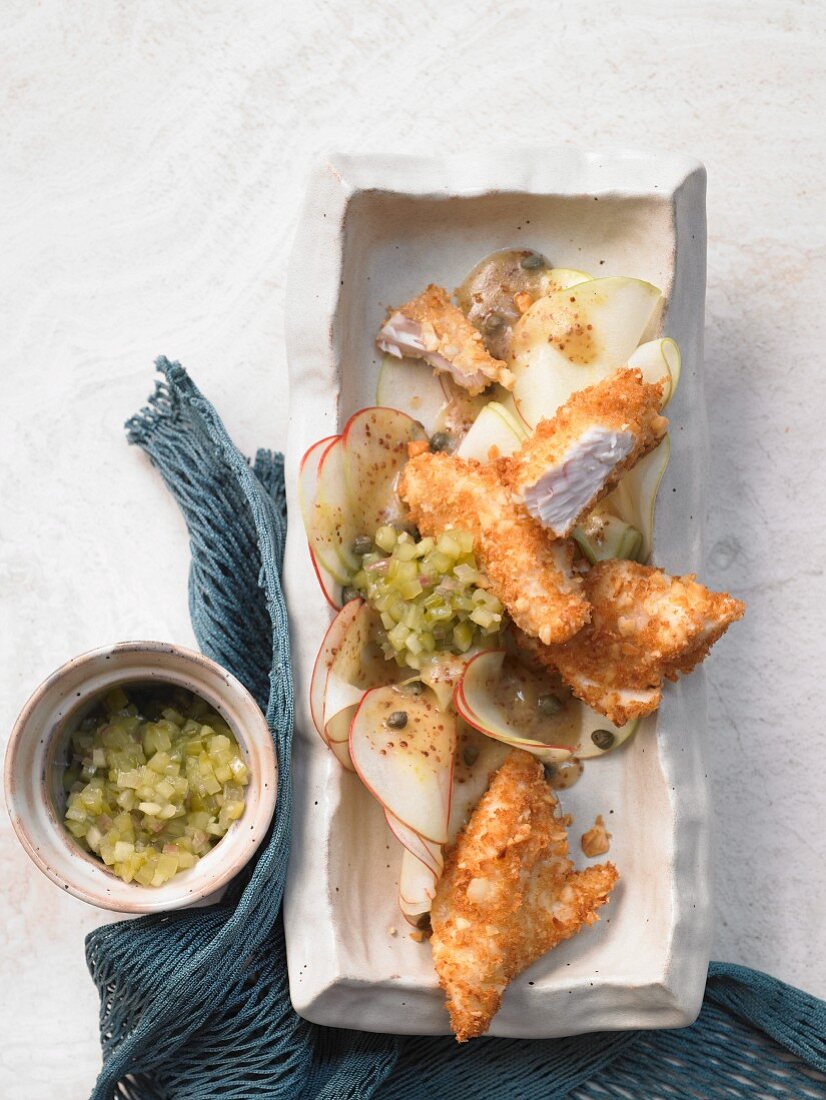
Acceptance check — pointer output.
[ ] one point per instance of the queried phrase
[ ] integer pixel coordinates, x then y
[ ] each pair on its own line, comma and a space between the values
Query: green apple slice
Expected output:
494, 427
560, 278
602, 535
374, 444
635, 498
659, 360
417, 888
413, 387
408, 769
573, 730
574, 338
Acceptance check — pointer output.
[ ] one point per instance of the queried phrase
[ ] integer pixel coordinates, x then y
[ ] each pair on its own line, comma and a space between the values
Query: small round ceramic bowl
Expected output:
37, 754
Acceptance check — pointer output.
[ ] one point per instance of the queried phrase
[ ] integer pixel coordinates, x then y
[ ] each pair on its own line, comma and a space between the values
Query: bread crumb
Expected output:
595, 842
417, 936
417, 447
391, 931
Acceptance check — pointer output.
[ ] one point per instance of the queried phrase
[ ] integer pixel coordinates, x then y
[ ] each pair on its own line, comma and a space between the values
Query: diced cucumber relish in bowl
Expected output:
141, 777
155, 778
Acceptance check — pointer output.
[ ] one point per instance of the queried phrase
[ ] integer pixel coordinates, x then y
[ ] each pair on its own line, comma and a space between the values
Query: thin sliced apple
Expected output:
494, 433
560, 278
417, 888
504, 703
659, 360
357, 666
328, 650
429, 853
412, 387
477, 702
477, 758
635, 498
573, 338
341, 751
335, 522
408, 770
307, 487
375, 450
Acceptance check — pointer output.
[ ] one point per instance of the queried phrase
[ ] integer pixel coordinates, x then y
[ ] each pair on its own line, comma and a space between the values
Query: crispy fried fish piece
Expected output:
528, 572
646, 626
572, 460
432, 328
509, 893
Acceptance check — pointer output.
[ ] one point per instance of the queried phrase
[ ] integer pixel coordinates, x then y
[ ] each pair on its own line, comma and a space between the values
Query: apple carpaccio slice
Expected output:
412, 387
659, 359
417, 888
307, 487
635, 498
477, 758
603, 535
560, 278
357, 666
506, 702
429, 853
329, 649
334, 521
375, 450
402, 747
480, 701
494, 433
575, 337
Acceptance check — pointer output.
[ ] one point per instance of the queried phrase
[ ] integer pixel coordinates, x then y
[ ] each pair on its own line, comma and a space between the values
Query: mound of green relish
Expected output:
429, 593
155, 779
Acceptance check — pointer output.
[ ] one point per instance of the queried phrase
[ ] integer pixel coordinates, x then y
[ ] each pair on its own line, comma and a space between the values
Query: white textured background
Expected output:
152, 161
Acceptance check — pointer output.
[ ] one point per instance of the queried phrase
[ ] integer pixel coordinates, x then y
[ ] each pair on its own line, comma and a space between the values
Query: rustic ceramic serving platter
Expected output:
375, 231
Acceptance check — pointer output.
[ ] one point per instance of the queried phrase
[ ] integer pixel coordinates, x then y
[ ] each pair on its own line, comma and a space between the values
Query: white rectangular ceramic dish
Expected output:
375, 231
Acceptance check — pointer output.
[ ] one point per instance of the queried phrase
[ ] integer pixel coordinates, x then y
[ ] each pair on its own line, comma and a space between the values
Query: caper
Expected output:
415, 687
362, 544
550, 772
470, 754
603, 739
350, 593
397, 720
440, 441
493, 321
533, 261
548, 705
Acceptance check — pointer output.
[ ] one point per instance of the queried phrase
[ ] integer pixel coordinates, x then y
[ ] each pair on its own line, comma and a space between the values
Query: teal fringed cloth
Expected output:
195, 1004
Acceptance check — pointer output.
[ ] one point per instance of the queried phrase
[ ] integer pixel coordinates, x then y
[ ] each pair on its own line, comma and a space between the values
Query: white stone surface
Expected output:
153, 163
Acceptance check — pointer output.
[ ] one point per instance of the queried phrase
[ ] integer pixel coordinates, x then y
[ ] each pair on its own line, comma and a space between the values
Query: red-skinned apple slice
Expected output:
417, 888
329, 649
475, 701
307, 488
335, 522
357, 666
429, 853
374, 444
409, 768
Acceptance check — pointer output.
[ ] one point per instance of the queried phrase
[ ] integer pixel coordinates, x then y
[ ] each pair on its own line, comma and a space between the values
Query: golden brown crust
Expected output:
645, 626
509, 894
621, 403
530, 573
449, 334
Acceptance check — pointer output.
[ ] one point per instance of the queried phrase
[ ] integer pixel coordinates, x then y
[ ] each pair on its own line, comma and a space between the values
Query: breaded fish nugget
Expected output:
526, 570
572, 460
646, 626
509, 893
432, 328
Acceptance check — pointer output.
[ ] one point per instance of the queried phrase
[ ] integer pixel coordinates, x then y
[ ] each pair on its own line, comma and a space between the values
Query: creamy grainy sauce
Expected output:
525, 696
494, 291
